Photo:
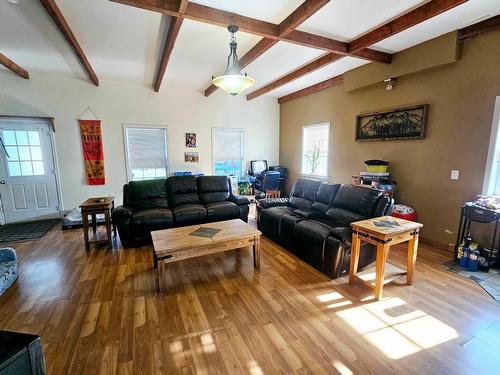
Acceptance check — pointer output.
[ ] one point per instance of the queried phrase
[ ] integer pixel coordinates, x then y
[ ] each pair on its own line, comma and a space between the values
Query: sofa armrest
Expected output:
273, 202
343, 234
122, 212
7, 254
238, 199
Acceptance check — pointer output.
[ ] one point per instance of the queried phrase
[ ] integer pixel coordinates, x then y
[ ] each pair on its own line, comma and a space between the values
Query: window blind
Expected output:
146, 152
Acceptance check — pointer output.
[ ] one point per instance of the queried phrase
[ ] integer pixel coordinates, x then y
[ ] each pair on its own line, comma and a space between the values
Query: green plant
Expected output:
245, 188
313, 158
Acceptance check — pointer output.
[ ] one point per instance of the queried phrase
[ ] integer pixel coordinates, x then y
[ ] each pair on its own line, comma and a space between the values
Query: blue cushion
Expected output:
8, 268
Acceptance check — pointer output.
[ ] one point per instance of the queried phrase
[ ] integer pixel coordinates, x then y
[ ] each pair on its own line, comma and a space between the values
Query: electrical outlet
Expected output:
454, 174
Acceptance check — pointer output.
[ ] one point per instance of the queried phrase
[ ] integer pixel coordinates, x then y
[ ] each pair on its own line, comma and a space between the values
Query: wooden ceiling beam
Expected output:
11, 65
172, 33
299, 15
268, 30
313, 88
486, 26
416, 16
58, 18
297, 73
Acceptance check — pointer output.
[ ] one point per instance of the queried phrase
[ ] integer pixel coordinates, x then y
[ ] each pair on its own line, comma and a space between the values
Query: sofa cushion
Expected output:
189, 214
356, 199
146, 221
143, 195
212, 189
303, 193
182, 190
324, 196
343, 218
222, 211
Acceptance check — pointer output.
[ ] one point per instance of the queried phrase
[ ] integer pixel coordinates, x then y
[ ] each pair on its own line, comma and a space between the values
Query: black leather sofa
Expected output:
173, 202
314, 222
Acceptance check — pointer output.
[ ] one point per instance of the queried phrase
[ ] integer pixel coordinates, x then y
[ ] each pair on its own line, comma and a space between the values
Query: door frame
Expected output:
49, 121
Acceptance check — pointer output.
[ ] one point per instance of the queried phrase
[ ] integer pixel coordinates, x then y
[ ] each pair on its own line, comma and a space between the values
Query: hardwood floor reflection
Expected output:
100, 313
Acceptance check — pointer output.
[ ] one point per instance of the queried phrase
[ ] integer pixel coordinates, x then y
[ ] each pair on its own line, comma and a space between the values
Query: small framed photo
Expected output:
191, 140
191, 157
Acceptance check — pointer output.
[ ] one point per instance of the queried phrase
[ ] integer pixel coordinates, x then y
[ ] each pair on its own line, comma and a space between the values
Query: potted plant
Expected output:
313, 159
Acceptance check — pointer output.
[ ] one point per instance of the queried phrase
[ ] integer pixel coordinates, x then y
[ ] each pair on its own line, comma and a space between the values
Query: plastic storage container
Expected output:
404, 212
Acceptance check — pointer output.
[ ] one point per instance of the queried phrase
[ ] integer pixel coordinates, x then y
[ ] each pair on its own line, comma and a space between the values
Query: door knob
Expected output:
2, 182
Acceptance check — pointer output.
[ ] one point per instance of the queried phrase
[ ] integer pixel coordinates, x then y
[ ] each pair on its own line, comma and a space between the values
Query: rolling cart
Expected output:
477, 214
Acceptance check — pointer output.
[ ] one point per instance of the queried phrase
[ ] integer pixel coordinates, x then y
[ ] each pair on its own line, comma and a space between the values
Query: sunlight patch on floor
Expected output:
341, 368
329, 296
396, 329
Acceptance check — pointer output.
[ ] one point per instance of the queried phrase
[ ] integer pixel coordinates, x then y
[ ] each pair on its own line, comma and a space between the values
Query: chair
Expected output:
270, 181
273, 193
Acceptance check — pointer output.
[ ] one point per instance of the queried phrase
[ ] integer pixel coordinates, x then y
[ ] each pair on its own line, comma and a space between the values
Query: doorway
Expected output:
28, 180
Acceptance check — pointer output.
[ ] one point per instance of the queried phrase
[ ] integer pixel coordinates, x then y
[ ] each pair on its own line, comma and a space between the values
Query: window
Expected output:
315, 143
24, 153
227, 151
146, 152
491, 184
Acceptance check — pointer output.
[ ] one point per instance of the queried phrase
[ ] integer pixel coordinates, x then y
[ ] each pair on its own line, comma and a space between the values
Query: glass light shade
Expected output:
233, 84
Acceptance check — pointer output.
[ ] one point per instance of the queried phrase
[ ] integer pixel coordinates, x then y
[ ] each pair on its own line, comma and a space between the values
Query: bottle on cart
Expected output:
464, 260
473, 260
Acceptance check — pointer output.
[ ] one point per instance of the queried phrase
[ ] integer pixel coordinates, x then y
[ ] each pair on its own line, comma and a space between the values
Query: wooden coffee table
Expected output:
172, 245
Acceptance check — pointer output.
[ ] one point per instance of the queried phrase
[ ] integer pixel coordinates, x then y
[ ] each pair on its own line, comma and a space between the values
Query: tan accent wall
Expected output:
461, 97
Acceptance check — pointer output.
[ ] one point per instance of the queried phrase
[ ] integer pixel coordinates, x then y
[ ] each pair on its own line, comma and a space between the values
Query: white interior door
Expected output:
28, 185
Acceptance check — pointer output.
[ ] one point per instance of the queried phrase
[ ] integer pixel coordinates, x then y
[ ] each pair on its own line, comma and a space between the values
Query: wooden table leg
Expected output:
94, 223
412, 259
161, 276
85, 222
382, 253
355, 249
107, 219
256, 253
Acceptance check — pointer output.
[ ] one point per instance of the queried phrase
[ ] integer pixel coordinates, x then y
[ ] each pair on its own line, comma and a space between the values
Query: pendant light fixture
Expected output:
233, 81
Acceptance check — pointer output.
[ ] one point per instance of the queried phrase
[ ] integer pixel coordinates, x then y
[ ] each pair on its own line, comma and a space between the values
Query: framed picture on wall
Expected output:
191, 140
401, 123
191, 157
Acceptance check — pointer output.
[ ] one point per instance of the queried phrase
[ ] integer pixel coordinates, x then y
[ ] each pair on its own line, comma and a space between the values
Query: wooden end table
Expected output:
93, 207
172, 245
383, 237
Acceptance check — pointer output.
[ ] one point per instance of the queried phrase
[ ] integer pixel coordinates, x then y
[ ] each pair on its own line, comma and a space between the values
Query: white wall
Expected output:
182, 110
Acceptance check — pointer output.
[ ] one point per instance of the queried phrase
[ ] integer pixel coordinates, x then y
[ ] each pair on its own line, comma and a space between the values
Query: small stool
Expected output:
93, 207
383, 232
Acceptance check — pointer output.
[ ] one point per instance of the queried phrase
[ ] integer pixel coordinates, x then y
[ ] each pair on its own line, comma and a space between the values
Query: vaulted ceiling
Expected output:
124, 42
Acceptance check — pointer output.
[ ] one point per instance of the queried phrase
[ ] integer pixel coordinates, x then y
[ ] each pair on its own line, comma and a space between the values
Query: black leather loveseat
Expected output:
173, 202
314, 223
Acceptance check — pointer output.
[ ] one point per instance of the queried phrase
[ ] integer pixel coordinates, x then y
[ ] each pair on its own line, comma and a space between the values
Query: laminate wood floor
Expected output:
99, 313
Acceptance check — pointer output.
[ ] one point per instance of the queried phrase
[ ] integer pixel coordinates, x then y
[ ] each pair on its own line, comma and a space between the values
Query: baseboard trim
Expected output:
437, 244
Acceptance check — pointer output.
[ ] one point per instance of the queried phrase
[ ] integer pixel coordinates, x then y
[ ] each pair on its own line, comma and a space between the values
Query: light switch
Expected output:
454, 174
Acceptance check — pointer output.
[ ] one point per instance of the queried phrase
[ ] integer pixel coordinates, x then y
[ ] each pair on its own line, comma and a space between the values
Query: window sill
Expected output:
314, 177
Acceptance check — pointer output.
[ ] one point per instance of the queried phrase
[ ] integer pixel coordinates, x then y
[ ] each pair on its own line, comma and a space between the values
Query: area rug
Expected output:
489, 281
26, 231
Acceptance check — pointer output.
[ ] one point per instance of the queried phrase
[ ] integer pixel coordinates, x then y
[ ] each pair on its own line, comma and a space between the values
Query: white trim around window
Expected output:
491, 173
326, 151
130, 176
241, 133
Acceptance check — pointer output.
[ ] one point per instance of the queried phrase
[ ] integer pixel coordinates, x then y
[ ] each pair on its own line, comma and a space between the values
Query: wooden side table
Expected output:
383, 237
93, 207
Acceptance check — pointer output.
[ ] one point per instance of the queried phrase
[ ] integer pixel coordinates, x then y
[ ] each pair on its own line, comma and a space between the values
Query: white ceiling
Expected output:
124, 43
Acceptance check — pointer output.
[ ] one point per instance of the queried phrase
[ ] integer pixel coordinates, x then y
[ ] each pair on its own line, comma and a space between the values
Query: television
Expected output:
258, 166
